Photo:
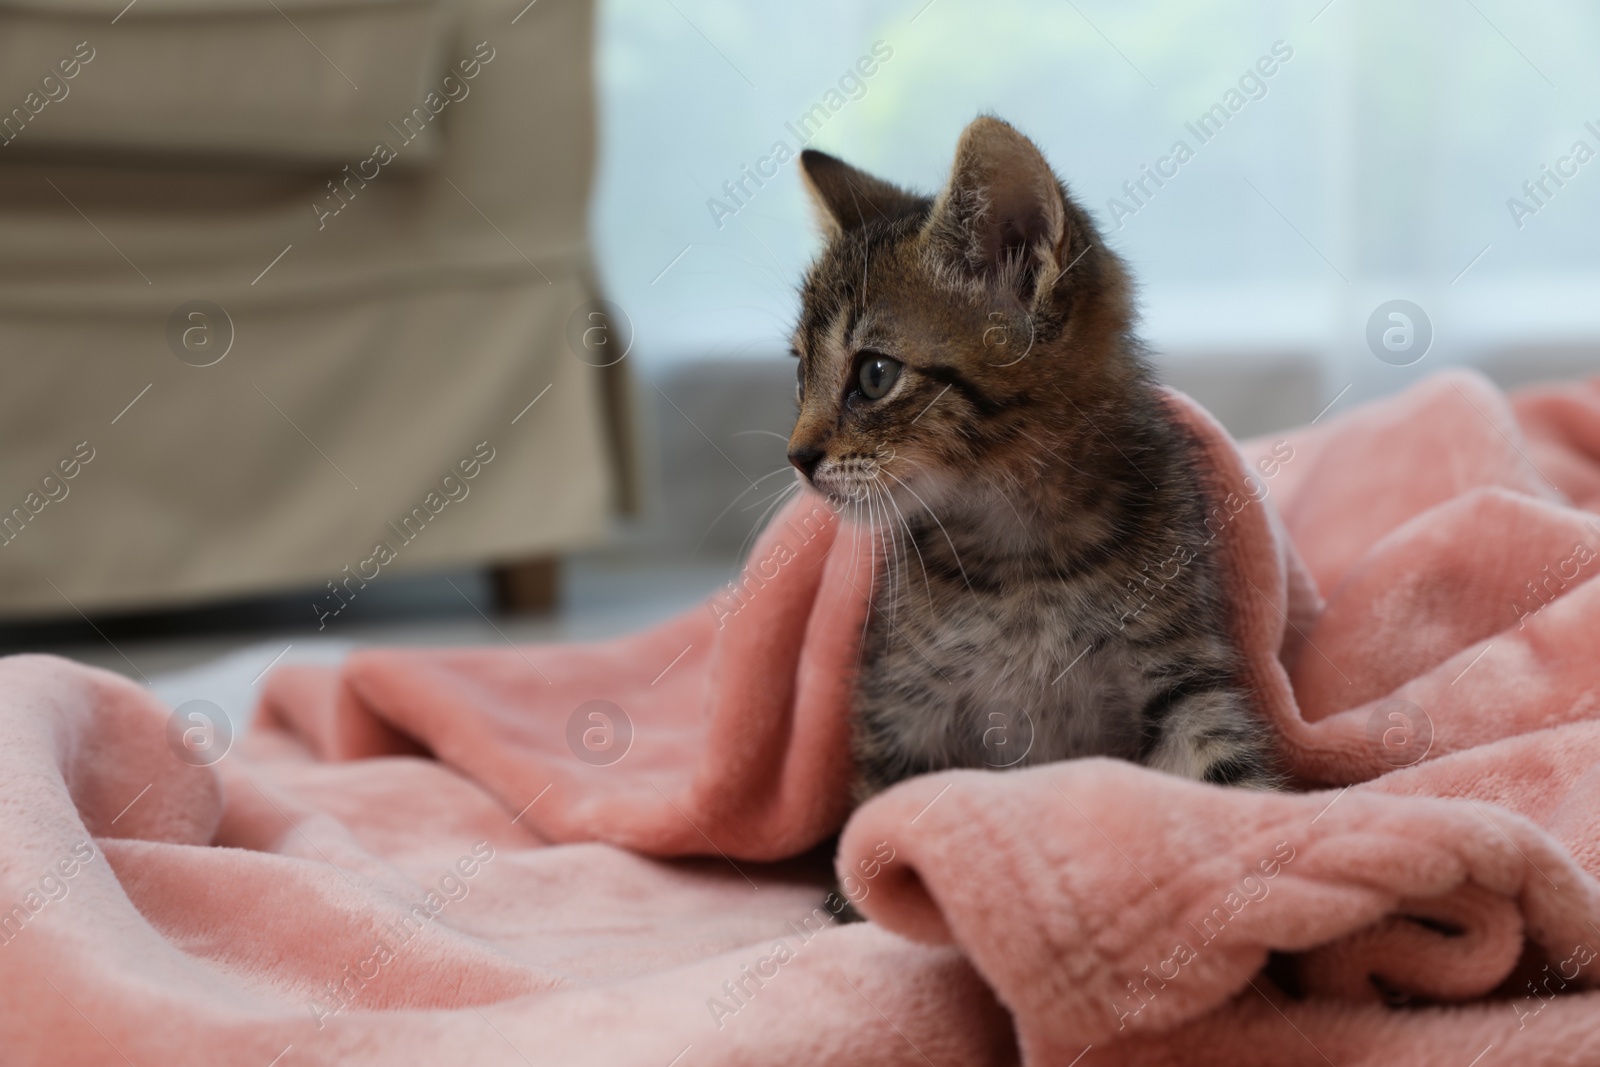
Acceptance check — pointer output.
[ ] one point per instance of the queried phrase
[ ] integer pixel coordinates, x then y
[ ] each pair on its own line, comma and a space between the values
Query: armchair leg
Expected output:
529, 586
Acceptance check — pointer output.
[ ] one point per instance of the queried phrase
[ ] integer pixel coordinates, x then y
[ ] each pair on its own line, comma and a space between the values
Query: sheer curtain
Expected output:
1335, 158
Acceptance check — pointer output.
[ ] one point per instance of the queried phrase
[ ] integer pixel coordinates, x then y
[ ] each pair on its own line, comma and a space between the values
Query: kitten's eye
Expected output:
800, 381
877, 375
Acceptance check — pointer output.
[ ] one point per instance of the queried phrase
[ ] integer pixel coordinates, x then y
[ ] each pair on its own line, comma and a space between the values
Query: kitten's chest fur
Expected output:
1015, 632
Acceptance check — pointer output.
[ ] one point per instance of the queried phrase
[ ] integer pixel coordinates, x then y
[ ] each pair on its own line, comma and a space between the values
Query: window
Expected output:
1339, 155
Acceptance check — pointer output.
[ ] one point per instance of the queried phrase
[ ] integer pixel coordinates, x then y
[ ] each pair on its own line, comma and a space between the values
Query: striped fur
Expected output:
1045, 588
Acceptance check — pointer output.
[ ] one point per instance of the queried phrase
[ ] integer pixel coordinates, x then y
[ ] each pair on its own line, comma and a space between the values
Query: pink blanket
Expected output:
608, 853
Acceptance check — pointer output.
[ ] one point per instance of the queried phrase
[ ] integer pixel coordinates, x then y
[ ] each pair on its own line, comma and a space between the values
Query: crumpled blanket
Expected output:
617, 853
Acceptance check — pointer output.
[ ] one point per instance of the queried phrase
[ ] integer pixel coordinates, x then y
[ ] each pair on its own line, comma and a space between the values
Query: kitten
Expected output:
971, 392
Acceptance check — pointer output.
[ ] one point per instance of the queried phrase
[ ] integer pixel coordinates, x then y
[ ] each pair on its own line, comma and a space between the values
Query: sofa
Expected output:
277, 275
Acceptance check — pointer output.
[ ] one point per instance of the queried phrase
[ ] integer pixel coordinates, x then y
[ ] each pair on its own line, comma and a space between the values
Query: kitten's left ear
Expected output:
1002, 217
847, 198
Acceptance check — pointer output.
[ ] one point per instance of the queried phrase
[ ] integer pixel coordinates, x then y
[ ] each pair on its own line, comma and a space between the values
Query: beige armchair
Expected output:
274, 275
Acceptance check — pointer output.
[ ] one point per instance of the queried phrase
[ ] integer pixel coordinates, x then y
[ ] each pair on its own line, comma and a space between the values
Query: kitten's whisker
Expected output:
1052, 451
866, 256
902, 557
735, 502
779, 276
862, 502
766, 433
1007, 498
872, 586
780, 270
769, 496
891, 531
855, 549
777, 501
911, 539
942, 530
747, 542
1102, 433
866, 248
877, 545
892, 564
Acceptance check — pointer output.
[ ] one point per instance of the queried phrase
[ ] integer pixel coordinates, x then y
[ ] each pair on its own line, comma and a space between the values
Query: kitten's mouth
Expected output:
856, 493
842, 494
876, 497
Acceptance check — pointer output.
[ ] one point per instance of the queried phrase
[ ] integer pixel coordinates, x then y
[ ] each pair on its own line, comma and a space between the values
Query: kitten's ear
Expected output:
1002, 217
846, 198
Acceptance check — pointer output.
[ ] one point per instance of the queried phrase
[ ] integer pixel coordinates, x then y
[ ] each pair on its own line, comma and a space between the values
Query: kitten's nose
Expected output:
805, 458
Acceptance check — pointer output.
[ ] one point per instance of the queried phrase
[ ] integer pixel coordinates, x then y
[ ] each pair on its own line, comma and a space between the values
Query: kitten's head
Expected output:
946, 343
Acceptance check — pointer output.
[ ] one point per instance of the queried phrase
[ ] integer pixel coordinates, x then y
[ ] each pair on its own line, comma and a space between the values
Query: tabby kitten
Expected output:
971, 394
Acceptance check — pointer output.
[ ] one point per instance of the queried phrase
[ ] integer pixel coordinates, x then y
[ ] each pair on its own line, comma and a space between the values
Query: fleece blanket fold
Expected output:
617, 853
